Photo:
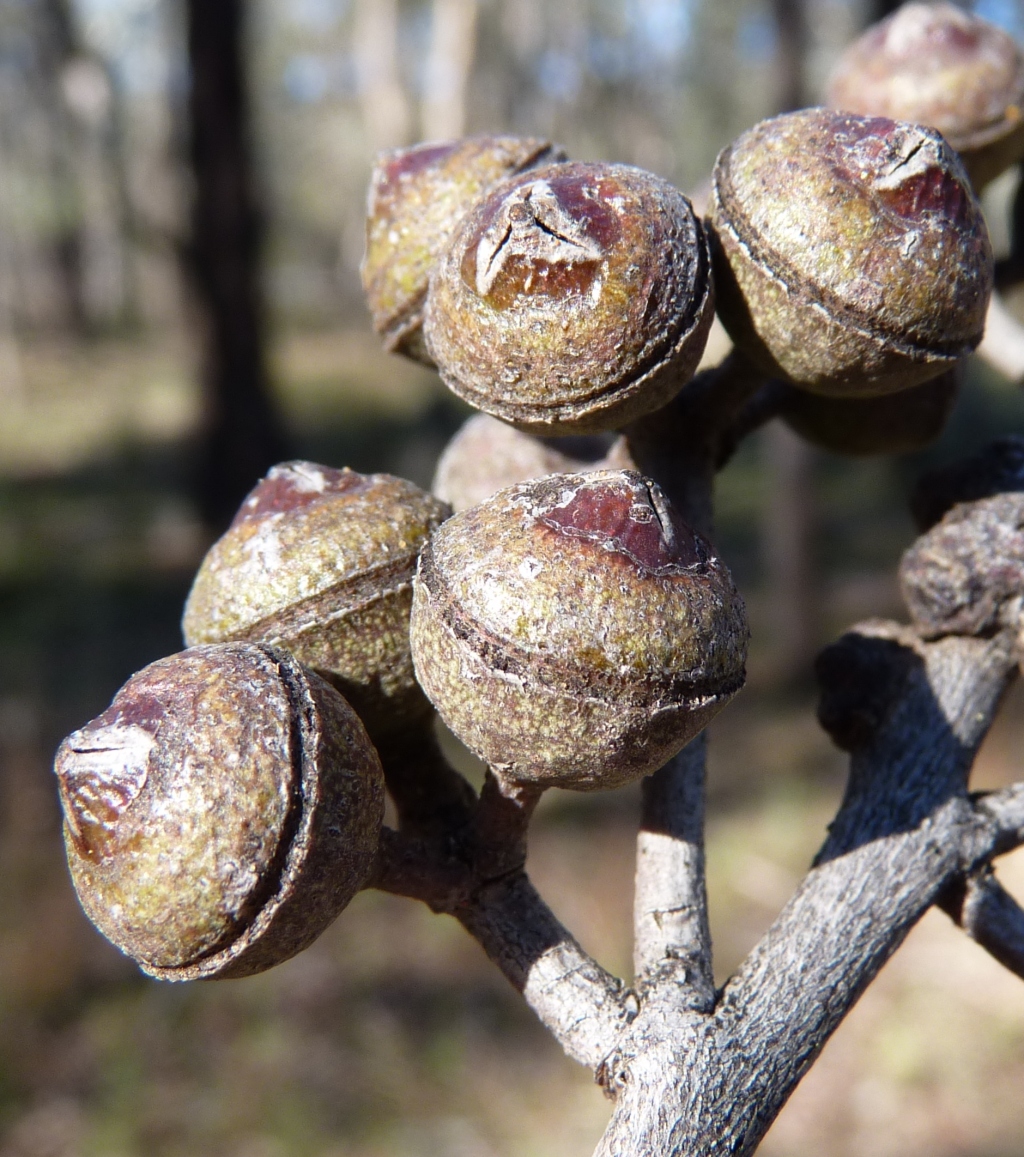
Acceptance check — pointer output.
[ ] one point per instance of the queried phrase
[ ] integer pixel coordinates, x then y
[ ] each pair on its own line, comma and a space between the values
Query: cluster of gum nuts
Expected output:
569, 628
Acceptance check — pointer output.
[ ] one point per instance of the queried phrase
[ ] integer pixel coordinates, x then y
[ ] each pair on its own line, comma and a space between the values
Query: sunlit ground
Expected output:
393, 1036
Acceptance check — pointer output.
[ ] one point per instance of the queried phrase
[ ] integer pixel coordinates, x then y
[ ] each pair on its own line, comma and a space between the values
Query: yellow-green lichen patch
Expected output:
320, 561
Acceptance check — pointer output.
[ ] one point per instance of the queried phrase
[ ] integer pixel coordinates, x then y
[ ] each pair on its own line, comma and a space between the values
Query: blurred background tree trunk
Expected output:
879, 9
449, 66
243, 435
386, 114
57, 50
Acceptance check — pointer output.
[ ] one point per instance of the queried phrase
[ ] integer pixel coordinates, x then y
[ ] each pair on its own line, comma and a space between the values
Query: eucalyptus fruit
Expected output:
417, 197
221, 812
486, 455
851, 256
574, 631
320, 561
572, 299
942, 66
900, 423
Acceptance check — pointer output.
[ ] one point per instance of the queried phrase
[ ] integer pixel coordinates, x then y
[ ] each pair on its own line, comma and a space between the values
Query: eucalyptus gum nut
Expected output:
221, 812
320, 561
417, 196
572, 299
486, 455
572, 631
851, 256
900, 423
939, 65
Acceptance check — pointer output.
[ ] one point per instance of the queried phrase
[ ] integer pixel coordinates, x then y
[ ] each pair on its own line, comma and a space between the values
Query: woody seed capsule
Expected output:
486, 455
220, 813
417, 197
572, 299
573, 631
320, 561
850, 254
942, 66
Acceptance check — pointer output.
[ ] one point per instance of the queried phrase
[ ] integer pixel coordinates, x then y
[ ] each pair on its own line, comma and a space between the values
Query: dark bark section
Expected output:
243, 434
990, 916
791, 23
880, 9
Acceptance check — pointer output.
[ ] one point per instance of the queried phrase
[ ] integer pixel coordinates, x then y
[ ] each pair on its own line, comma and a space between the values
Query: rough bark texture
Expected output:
695, 1071
672, 940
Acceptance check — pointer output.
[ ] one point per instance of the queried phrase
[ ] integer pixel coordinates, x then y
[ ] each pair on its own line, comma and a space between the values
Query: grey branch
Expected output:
694, 1072
584, 1007
990, 916
698, 1084
1005, 810
670, 919
475, 872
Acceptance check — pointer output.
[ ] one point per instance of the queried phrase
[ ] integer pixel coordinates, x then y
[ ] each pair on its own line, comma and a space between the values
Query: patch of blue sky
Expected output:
1007, 14
559, 75
663, 27
610, 58
756, 37
309, 78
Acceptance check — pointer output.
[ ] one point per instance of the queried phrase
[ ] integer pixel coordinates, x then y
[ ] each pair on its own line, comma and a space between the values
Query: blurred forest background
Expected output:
182, 187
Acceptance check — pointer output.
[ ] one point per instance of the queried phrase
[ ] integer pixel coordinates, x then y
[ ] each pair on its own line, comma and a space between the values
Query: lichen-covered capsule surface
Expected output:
942, 66
221, 812
850, 254
574, 631
321, 561
572, 299
417, 197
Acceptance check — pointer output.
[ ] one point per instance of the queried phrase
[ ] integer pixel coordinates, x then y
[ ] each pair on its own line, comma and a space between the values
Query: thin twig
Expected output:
679, 445
670, 918
672, 940
758, 411
990, 916
1005, 811
583, 1006
473, 870
430, 796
